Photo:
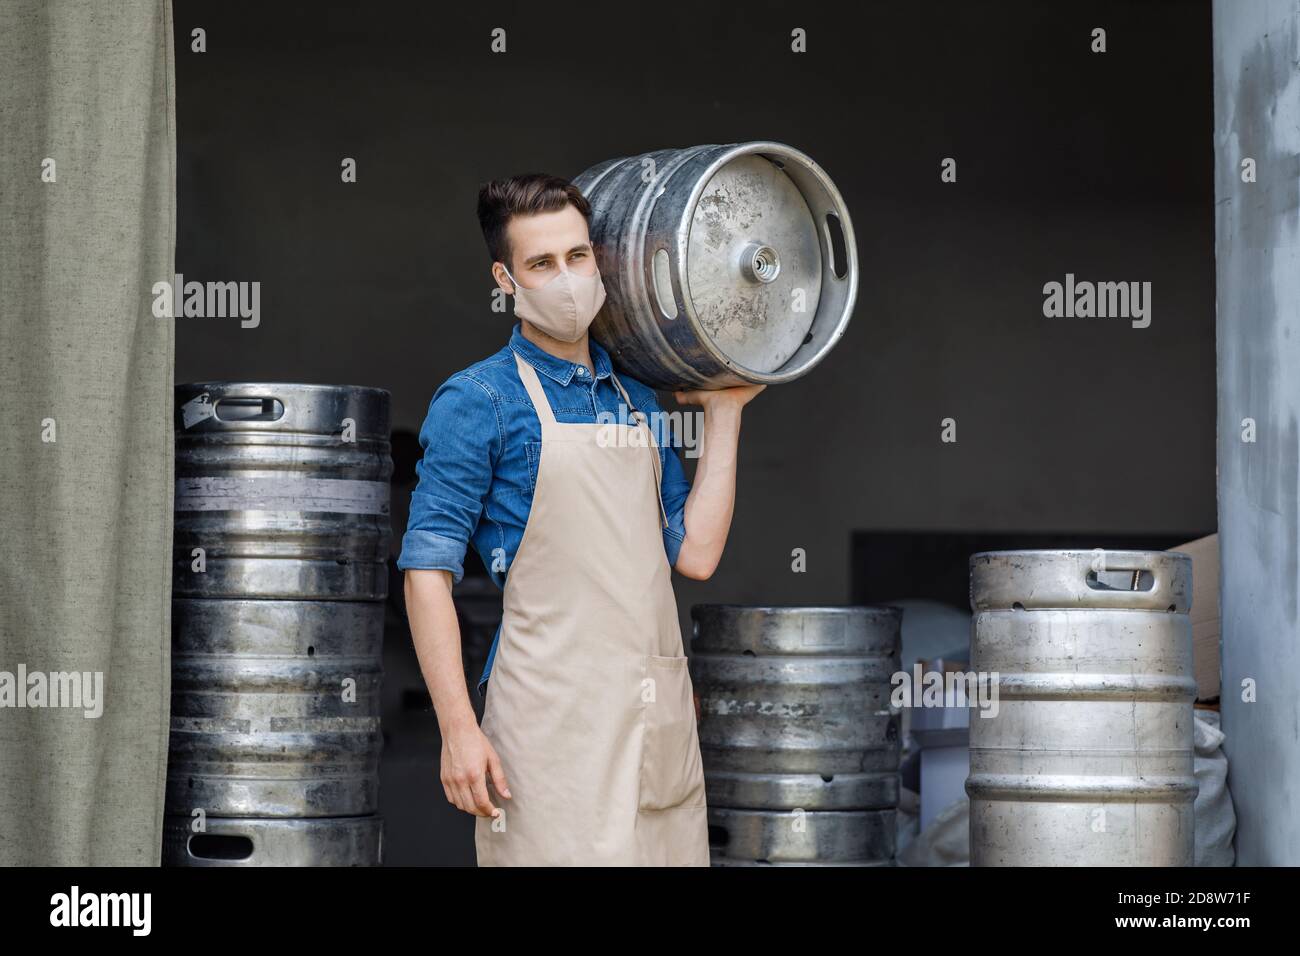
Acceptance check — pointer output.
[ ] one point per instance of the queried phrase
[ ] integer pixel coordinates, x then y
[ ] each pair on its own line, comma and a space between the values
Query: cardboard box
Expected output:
1204, 553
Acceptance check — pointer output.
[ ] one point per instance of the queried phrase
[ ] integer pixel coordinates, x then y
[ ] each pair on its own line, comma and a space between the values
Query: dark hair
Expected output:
525, 195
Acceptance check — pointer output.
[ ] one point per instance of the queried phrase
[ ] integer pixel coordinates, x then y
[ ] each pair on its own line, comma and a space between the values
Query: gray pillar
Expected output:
1257, 240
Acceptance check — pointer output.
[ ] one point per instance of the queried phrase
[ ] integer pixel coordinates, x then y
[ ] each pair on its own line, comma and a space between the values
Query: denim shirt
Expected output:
482, 444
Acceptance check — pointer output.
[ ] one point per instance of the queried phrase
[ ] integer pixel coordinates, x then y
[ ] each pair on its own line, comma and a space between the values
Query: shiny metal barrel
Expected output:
341, 841
1088, 761
279, 576
275, 708
284, 488
795, 705
797, 838
722, 264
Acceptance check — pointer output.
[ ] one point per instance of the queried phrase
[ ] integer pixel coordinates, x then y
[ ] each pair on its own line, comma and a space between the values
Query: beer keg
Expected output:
279, 576
282, 491
799, 744
275, 707
795, 705
723, 265
1088, 761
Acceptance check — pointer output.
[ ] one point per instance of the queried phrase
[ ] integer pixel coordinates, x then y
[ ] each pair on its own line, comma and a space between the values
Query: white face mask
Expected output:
564, 307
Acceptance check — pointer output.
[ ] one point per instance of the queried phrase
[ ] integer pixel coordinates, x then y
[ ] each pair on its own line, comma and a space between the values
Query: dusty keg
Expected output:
1088, 760
342, 841
285, 489
797, 838
722, 264
275, 708
795, 706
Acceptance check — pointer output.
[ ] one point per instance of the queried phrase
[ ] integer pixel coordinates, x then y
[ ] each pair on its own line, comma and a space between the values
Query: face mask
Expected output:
564, 307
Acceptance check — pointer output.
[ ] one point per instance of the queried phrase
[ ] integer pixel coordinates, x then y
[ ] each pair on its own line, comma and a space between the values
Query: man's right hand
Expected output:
468, 758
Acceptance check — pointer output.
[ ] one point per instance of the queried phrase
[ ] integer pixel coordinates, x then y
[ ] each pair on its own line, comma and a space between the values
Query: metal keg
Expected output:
284, 488
1088, 761
275, 707
797, 838
795, 707
279, 576
341, 841
722, 264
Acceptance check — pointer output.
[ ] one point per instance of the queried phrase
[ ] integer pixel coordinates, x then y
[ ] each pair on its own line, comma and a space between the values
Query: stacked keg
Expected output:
722, 264
279, 580
800, 746
1089, 759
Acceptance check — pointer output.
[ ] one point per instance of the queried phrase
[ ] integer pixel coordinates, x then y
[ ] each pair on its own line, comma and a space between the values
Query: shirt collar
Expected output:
562, 370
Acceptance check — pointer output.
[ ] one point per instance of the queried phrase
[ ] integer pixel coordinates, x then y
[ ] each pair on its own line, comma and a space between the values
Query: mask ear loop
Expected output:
513, 281
639, 417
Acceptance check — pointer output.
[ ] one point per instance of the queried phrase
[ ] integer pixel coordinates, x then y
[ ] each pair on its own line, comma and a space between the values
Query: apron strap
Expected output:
640, 420
528, 375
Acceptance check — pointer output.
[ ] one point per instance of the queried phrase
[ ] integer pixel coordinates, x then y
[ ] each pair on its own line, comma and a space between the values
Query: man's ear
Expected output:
503, 281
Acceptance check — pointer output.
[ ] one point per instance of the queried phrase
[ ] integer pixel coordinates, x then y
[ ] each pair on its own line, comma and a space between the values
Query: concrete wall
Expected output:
1257, 115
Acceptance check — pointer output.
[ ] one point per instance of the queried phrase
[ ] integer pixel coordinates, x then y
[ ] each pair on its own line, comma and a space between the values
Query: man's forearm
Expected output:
712, 498
435, 632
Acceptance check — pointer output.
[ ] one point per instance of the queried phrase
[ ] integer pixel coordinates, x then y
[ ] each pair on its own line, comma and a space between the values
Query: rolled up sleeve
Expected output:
461, 438
675, 489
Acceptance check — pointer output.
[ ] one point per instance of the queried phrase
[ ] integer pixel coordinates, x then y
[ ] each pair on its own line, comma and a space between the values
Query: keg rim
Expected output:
790, 370
887, 610
301, 386
1067, 553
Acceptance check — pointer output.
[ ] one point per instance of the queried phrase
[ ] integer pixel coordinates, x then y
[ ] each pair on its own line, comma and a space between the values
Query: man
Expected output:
588, 753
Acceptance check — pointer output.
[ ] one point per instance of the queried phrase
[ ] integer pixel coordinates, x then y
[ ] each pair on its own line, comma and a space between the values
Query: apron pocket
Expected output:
671, 772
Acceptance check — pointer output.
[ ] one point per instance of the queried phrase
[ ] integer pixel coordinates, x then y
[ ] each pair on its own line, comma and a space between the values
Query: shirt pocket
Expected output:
533, 452
672, 775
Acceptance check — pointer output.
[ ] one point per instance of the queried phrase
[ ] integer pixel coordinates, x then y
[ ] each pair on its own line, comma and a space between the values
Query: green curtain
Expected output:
87, 226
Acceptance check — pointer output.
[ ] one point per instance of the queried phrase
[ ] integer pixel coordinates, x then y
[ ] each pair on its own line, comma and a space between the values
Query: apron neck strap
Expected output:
622, 391
641, 422
528, 375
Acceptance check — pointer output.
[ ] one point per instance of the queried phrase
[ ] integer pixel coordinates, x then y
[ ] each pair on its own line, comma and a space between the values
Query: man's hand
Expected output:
467, 759
736, 397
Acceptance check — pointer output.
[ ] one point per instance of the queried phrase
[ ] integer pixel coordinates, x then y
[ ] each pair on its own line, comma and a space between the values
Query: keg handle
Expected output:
1134, 574
248, 408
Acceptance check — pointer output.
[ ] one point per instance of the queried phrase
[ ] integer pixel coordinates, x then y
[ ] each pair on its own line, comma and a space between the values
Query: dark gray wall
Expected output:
1068, 161
1257, 115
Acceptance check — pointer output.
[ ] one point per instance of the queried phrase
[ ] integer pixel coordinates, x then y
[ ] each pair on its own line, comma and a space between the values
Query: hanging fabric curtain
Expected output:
87, 227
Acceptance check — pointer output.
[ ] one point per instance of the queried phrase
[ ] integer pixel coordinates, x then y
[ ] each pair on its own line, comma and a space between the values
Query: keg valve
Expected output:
760, 263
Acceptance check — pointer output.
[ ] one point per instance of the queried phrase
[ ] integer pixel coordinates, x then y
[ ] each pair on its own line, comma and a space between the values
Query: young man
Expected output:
589, 740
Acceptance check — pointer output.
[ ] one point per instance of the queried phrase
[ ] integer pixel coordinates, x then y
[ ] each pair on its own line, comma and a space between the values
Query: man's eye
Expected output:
578, 255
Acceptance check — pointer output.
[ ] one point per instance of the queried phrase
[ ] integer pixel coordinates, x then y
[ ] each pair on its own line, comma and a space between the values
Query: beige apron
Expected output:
589, 703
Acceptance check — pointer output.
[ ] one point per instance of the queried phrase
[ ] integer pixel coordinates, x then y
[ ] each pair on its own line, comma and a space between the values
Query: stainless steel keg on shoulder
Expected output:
799, 743
280, 550
1088, 760
722, 264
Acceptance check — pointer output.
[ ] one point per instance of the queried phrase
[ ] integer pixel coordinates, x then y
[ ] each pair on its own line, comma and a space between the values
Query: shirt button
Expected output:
582, 372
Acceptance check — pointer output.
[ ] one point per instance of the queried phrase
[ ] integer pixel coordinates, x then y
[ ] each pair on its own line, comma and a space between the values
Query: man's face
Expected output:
544, 245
